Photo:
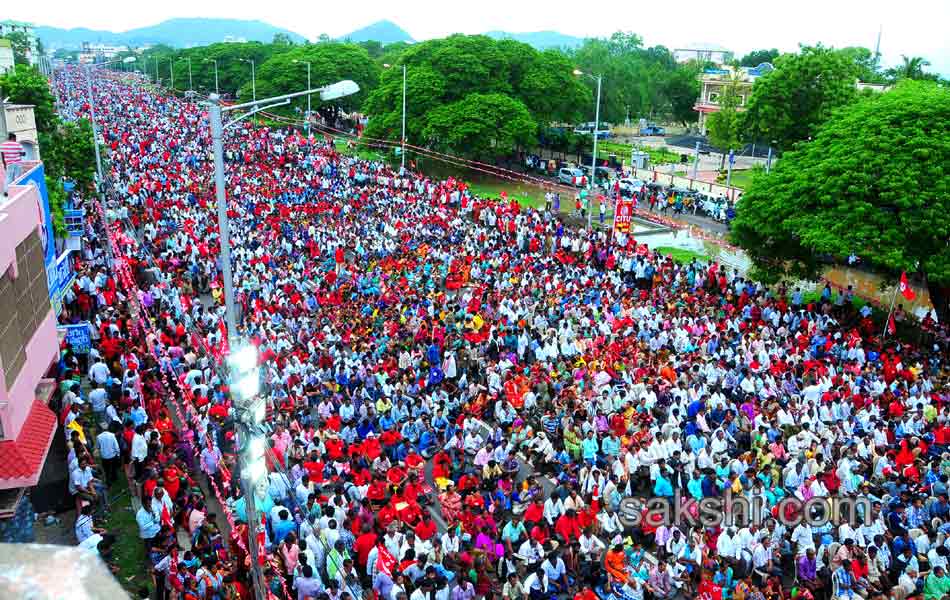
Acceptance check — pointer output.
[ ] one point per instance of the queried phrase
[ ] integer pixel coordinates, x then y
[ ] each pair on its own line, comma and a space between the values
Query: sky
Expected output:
910, 27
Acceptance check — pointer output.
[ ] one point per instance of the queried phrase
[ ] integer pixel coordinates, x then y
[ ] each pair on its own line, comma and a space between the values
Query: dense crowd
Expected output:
461, 392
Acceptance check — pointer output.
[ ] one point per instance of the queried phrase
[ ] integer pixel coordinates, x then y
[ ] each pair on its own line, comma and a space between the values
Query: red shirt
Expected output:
425, 530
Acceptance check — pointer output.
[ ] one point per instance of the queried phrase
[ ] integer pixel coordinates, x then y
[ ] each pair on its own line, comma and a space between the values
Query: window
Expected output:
714, 97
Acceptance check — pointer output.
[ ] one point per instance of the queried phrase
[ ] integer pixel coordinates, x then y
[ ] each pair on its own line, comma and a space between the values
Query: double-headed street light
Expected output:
593, 161
244, 372
253, 78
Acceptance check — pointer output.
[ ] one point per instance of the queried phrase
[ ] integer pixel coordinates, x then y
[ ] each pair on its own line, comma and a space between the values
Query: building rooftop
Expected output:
13, 23
24, 458
5, 43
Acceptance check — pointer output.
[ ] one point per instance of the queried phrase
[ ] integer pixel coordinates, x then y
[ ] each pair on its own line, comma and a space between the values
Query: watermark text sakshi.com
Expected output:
732, 510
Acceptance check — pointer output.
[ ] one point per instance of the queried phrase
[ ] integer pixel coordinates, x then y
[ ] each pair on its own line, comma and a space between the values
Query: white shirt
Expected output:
139, 447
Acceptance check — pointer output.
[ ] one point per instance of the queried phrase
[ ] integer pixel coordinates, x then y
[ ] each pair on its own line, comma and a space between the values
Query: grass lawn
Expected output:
741, 179
680, 255
128, 553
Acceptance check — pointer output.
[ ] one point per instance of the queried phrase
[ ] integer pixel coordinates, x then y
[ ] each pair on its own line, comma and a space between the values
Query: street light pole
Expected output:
171, 69
191, 85
215, 73
593, 168
308, 95
250, 465
217, 137
253, 78
101, 181
402, 155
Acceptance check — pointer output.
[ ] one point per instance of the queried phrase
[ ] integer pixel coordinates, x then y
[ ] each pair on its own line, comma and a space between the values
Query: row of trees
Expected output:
459, 88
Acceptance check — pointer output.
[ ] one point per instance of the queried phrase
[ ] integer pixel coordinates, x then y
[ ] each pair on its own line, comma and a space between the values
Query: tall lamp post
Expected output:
171, 69
243, 360
593, 160
402, 151
191, 85
216, 91
295, 61
253, 78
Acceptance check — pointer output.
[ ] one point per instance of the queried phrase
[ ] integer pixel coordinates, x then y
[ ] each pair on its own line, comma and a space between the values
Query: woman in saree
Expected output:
451, 503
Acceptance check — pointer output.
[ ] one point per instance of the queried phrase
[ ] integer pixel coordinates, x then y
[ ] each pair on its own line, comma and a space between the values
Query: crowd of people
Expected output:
461, 393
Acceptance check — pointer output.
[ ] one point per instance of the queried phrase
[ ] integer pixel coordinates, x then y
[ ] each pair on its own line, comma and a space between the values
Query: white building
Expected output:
6, 56
9, 26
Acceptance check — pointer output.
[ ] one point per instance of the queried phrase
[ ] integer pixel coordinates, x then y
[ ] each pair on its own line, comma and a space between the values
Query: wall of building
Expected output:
21, 220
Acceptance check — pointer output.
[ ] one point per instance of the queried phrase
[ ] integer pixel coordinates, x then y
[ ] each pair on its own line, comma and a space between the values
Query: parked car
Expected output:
630, 186
572, 176
653, 130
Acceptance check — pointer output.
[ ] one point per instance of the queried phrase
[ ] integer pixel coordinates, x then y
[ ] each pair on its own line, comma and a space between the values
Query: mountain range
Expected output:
385, 32
183, 33
539, 39
180, 33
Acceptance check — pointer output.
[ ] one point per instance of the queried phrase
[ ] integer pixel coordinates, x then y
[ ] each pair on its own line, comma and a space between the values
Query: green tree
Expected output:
446, 71
911, 67
21, 47
866, 62
69, 152
329, 62
757, 57
788, 104
25, 85
724, 126
483, 126
282, 39
873, 182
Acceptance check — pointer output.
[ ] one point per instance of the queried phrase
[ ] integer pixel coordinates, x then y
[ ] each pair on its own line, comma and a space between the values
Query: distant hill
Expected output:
385, 32
174, 32
539, 39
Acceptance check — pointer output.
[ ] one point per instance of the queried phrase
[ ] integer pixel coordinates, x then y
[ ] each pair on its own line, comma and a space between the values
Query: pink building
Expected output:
28, 341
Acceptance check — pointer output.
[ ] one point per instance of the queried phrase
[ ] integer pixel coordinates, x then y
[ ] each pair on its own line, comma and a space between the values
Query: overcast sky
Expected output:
911, 27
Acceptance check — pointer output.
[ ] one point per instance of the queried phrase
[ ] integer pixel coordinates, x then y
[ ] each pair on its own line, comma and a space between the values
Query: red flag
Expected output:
385, 561
905, 288
261, 542
891, 325
173, 564
166, 516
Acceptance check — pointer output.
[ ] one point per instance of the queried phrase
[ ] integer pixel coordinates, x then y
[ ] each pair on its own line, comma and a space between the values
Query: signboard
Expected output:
78, 337
623, 216
60, 279
37, 178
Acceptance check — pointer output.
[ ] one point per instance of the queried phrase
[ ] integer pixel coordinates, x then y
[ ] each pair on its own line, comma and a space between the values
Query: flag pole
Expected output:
887, 323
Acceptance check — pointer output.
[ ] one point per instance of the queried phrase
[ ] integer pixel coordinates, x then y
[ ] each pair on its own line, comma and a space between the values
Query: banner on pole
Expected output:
78, 337
623, 216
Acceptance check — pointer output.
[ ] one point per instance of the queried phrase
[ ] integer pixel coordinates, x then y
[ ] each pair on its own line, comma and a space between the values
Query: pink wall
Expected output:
18, 217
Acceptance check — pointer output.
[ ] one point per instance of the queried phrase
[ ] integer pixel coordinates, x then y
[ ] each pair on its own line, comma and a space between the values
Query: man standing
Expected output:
11, 155
109, 451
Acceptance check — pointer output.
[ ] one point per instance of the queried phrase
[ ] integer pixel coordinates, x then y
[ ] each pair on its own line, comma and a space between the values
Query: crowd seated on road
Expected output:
461, 393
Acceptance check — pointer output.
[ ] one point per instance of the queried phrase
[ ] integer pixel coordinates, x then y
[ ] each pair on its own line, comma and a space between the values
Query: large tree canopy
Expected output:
641, 82
481, 123
329, 62
788, 104
461, 74
875, 181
